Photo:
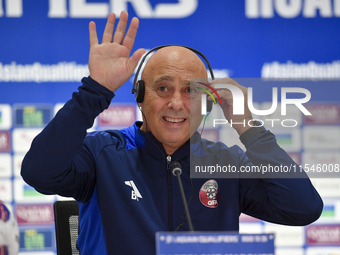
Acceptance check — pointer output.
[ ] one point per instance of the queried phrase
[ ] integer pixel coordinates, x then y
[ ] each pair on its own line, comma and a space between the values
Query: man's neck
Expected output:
170, 150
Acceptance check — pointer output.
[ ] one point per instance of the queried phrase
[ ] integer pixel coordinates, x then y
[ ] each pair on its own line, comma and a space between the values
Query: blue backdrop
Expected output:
44, 50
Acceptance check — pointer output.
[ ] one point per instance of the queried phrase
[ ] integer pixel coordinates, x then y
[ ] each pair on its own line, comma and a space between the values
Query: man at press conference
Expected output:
122, 179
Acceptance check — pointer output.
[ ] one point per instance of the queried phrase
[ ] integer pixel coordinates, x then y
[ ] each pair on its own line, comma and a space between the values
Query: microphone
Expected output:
176, 170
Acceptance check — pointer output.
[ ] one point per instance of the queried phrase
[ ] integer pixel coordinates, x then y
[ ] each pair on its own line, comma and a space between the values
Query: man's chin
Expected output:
173, 139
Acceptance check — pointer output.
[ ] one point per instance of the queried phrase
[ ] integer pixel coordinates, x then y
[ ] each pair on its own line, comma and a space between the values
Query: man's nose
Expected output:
176, 101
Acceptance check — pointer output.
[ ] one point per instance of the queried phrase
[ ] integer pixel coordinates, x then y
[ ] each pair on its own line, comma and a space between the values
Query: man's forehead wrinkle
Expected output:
159, 78
169, 78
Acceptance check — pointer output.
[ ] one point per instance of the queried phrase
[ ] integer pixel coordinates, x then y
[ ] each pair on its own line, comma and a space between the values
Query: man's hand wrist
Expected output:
254, 129
243, 127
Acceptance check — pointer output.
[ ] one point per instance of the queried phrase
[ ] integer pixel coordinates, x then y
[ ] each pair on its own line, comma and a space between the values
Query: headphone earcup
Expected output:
140, 91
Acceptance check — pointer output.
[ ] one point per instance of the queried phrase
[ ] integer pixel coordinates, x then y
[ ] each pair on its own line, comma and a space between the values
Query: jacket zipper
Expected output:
168, 162
168, 175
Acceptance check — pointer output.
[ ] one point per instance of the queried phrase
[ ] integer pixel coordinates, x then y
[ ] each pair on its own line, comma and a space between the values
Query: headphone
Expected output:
138, 87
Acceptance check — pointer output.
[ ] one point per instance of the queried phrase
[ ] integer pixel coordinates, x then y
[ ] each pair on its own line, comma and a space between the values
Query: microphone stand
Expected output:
177, 171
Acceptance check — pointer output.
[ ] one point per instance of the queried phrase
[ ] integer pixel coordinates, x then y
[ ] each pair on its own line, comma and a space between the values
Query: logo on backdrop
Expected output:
255, 9
82, 9
209, 194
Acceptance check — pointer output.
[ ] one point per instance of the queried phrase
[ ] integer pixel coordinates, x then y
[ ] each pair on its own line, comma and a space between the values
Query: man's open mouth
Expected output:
172, 120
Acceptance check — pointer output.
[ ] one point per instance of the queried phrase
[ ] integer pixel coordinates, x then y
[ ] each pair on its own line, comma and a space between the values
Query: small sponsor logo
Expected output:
32, 115
5, 141
5, 117
323, 235
323, 114
286, 236
209, 194
118, 116
321, 137
36, 239
34, 214
23, 137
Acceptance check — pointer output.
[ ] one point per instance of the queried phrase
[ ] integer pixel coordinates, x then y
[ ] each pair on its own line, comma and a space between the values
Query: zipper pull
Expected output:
168, 162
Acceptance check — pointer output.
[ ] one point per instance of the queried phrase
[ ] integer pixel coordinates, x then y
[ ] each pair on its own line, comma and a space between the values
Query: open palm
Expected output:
110, 63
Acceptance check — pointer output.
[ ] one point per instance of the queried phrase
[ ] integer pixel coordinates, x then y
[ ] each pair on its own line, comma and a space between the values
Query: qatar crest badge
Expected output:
209, 194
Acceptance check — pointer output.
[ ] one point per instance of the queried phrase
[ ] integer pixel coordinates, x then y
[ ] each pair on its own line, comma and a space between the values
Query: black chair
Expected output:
66, 220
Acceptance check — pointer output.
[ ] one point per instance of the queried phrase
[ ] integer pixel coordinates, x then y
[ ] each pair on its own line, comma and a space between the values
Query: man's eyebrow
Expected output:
187, 82
169, 78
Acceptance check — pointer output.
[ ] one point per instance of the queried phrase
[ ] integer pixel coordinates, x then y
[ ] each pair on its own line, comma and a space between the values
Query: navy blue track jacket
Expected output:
126, 191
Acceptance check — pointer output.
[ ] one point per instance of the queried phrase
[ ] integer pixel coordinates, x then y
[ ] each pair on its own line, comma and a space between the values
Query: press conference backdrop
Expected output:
43, 56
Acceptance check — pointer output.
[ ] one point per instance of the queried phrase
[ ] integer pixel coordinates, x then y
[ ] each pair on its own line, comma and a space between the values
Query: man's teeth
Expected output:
173, 120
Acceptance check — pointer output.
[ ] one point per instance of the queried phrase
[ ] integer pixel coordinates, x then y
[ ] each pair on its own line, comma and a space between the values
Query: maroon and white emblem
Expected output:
209, 194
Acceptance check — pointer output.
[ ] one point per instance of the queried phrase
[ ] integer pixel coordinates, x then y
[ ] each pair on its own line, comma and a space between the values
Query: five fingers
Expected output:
119, 36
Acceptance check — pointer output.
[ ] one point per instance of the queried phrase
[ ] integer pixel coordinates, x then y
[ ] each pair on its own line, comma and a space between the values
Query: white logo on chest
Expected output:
134, 192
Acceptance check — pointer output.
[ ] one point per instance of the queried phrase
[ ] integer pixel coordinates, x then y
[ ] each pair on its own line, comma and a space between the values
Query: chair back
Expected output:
66, 220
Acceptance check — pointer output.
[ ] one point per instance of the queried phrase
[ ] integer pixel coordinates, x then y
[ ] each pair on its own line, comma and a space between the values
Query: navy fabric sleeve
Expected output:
288, 198
48, 166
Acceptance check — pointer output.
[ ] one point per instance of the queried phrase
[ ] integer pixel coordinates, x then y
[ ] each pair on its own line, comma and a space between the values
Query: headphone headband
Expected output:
134, 89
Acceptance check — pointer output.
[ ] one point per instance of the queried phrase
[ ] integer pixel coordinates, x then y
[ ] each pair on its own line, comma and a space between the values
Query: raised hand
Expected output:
228, 105
110, 63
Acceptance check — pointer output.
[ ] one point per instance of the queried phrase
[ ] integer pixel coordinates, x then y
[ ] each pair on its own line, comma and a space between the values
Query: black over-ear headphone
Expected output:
139, 86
